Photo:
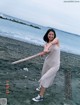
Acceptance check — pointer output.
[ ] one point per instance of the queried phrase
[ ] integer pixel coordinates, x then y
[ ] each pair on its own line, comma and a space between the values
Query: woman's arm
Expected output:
48, 45
55, 41
45, 51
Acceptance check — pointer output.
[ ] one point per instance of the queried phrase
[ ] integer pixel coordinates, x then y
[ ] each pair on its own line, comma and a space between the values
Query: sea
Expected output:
29, 32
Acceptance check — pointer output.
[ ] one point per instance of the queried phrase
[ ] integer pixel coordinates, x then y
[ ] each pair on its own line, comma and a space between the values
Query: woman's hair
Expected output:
45, 38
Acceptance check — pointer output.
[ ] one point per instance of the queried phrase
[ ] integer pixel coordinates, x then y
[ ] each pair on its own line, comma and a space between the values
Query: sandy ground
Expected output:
23, 77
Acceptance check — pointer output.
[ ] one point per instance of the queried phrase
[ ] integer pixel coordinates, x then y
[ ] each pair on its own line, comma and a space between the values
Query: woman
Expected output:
51, 63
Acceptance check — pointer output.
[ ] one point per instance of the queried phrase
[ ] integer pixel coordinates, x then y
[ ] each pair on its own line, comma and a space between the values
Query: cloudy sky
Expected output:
60, 14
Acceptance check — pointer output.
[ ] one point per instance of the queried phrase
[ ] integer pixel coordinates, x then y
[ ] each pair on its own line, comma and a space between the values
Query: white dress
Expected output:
50, 67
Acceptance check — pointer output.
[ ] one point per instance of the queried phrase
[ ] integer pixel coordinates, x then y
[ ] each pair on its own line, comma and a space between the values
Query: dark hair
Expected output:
45, 38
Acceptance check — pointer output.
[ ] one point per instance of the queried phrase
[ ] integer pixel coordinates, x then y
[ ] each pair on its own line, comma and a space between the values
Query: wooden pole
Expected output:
25, 59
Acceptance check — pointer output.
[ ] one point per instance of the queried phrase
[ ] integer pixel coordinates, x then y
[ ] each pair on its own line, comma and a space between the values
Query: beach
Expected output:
23, 77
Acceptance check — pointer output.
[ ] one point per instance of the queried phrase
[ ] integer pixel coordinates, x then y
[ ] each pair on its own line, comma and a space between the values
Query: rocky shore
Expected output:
23, 77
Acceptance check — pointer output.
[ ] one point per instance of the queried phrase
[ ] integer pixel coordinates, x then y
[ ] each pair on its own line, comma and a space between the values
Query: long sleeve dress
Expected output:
50, 67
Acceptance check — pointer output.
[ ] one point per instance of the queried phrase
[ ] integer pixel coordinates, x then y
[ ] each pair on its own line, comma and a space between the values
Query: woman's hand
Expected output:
42, 53
46, 51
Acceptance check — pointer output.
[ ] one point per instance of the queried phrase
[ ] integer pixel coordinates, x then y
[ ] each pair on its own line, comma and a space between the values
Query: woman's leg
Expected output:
40, 96
42, 91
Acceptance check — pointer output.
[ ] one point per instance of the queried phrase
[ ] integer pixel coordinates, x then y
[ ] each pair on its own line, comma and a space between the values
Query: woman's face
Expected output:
51, 36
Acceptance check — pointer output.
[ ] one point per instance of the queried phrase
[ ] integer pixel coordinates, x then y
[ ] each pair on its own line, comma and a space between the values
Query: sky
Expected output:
59, 14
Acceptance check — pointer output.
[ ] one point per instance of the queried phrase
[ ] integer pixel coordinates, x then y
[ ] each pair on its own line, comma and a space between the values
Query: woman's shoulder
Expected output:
56, 39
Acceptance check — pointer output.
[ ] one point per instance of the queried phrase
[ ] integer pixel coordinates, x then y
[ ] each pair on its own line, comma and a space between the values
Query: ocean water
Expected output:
68, 42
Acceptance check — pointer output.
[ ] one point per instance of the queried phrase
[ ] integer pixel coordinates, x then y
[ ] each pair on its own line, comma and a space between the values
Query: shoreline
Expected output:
23, 42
